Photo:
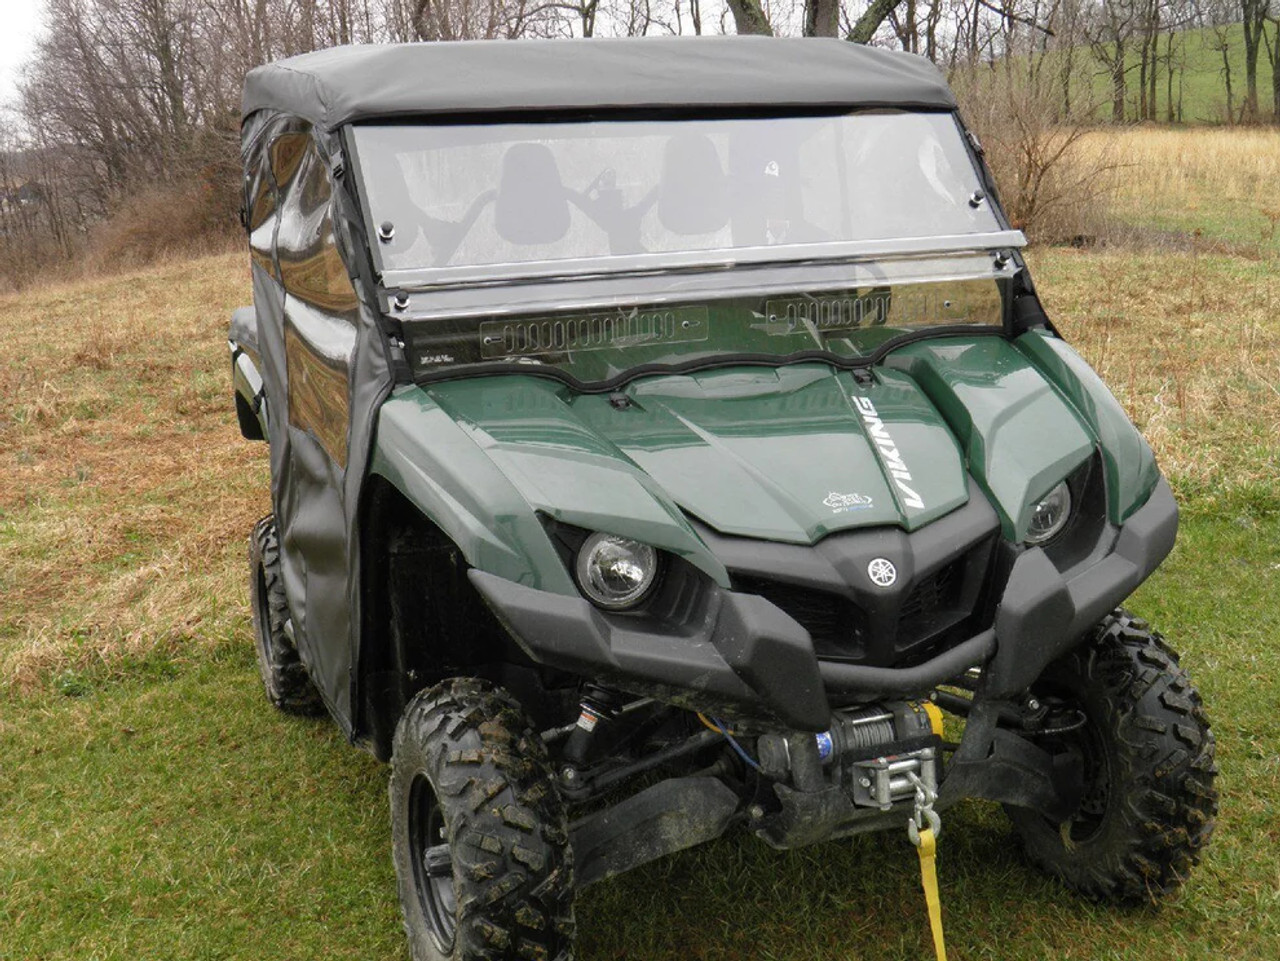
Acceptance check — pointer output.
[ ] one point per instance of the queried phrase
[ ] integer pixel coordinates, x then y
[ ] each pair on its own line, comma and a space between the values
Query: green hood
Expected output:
785, 454
788, 454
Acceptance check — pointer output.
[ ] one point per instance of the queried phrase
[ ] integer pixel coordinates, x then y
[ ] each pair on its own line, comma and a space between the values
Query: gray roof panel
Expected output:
350, 84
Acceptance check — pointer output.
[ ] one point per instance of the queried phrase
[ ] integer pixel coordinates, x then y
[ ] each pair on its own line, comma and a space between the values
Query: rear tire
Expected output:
284, 676
479, 833
1148, 756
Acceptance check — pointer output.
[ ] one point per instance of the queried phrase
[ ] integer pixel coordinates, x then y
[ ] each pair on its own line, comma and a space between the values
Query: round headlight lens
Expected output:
615, 573
1049, 516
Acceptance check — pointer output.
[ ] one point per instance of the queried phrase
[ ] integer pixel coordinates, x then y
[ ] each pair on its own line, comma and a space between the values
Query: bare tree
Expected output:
1109, 33
1254, 15
1049, 180
1220, 40
822, 18
749, 17
1272, 43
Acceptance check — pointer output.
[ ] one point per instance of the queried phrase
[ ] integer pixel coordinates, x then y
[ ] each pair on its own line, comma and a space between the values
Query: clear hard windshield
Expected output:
467, 202
595, 249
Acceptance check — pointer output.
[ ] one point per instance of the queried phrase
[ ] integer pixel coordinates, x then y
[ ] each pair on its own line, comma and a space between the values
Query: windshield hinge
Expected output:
864, 377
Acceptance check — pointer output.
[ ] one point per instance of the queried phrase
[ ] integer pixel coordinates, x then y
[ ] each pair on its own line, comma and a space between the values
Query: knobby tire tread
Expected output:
284, 677
507, 827
1163, 801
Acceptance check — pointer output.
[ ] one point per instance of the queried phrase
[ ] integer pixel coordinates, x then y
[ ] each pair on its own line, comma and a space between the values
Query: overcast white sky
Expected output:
19, 21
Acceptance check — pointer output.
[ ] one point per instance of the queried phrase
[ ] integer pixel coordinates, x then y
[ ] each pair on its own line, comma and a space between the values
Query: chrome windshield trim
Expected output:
501, 275
614, 292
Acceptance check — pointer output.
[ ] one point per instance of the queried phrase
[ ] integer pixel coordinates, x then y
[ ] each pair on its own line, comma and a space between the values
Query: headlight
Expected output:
1050, 515
615, 573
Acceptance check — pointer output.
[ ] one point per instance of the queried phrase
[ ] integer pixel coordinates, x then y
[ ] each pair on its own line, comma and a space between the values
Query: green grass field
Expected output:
171, 814
152, 805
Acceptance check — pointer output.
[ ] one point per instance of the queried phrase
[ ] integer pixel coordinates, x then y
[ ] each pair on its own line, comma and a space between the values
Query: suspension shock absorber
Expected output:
598, 706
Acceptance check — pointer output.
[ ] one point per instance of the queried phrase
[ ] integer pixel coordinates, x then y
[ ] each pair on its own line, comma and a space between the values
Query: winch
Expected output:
872, 753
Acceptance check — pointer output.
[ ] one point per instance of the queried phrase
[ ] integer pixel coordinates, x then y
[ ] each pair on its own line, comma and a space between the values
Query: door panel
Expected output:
318, 337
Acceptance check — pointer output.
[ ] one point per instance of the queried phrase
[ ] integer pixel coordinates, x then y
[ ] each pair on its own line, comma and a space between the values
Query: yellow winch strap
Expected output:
928, 850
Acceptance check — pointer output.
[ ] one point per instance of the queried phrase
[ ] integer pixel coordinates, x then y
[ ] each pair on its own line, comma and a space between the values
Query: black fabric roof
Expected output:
345, 84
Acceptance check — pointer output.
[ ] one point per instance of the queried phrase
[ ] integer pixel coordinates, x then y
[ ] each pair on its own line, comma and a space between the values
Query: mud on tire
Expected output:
1148, 754
479, 833
284, 677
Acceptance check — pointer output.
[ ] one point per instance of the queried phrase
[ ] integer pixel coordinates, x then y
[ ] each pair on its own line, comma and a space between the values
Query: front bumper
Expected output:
747, 657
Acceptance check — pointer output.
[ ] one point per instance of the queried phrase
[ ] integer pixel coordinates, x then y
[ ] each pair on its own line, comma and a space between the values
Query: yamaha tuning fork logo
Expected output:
882, 572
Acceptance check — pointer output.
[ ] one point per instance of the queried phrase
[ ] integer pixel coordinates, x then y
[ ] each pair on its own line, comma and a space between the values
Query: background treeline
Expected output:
121, 143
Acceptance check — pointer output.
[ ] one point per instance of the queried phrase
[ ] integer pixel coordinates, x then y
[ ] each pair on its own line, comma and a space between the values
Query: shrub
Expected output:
1052, 187
193, 216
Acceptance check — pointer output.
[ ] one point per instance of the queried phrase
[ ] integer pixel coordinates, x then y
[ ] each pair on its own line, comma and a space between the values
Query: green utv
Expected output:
663, 433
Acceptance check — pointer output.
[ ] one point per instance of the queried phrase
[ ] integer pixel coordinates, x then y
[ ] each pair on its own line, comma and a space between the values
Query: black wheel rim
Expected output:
1090, 745
432, 864
264, 616
1087, 743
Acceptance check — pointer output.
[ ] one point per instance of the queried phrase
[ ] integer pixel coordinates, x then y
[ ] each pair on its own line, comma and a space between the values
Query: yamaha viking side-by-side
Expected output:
664, 433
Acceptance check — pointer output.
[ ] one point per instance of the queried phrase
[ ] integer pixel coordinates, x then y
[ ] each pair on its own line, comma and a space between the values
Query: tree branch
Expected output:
1010, 15
870, 21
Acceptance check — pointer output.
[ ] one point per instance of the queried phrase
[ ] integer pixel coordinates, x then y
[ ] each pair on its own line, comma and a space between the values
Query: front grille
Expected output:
836, 625
936, 610
933, 593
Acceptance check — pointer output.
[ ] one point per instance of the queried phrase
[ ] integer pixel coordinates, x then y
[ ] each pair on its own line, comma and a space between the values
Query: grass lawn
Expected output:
153, 806
172, 814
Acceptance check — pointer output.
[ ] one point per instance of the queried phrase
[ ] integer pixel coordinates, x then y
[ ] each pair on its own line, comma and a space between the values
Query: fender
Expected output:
1020, 436
1127, 459
486, 494
246, 377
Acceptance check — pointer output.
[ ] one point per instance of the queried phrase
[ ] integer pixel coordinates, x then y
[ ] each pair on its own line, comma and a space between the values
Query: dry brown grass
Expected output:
1225, 163
1180, 313
1190, 344
1216, 184
125, 488
187, 219
194, 216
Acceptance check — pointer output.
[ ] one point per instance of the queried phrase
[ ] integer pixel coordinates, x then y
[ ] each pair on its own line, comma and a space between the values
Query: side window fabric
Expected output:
261, 216
310, 265
261, 196
321, 306
261, 200
286, 155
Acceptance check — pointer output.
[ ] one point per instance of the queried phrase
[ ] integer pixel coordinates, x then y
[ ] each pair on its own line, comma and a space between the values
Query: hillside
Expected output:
1199, 87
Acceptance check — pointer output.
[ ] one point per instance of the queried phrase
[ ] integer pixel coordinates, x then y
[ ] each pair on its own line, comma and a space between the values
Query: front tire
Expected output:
479, 833
1148, 759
